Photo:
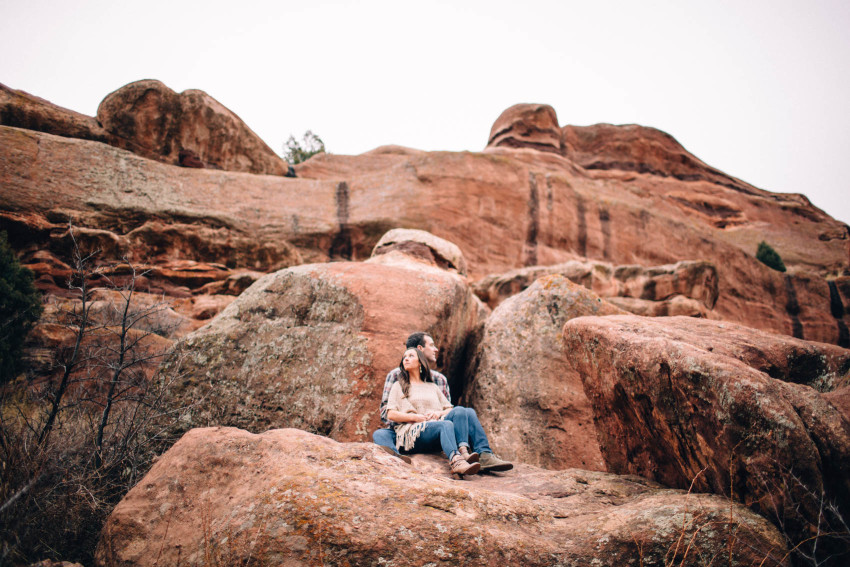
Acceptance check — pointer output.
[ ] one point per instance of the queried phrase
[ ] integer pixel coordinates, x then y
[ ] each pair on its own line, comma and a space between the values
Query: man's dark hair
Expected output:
416, 339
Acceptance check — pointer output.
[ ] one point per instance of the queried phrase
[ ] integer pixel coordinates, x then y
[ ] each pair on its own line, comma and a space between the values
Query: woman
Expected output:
418, 406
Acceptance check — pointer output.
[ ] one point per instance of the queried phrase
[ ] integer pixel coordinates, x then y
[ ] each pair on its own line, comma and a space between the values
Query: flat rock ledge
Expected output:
288, 497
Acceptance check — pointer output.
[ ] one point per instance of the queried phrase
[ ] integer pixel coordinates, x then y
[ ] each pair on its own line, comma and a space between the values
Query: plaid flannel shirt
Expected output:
440, 380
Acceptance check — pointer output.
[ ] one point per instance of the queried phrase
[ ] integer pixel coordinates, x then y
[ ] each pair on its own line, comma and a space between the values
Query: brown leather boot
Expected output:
460, 467
490, 462
470, 457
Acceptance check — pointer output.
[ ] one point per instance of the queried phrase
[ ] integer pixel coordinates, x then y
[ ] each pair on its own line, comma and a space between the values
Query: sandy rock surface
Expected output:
287, 497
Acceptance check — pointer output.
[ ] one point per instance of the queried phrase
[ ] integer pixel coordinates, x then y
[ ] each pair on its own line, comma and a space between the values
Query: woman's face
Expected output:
410, 360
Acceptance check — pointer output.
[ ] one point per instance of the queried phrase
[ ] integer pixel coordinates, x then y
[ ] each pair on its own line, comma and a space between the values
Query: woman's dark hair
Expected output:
424, 372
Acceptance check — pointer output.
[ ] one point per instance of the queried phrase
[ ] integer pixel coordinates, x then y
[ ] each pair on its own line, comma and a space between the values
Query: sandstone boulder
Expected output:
149, 119
527, 126
286, 497
310, 346
418, 243
684, 401
529, 399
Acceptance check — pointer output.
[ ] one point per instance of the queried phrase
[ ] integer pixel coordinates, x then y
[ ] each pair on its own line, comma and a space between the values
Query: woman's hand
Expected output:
433, 415
399, 417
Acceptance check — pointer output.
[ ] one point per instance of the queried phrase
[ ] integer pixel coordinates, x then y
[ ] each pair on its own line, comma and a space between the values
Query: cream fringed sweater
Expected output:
422, 398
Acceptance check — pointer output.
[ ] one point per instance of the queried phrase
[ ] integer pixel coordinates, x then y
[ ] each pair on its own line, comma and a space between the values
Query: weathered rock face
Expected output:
685, 400
646, 150
529, 399
504, 208
684, 288
149, 119
290, 498
310, 346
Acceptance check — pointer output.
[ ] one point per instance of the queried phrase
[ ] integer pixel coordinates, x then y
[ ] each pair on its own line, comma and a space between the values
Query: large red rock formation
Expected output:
310, 346
688, 401
529, 399
531, 208
225, 496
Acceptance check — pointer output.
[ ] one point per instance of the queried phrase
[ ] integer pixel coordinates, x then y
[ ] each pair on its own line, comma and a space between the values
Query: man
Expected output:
386, 437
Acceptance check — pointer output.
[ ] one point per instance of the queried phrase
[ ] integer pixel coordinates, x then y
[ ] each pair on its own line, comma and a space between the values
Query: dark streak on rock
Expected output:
836, 307
792, 307
605, 221
530, 249
581, 224
341, 246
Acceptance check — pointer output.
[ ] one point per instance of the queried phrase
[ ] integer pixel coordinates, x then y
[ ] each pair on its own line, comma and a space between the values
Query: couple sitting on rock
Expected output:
419, 417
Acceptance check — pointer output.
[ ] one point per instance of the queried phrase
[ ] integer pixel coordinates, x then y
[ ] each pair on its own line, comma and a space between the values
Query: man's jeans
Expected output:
469, 428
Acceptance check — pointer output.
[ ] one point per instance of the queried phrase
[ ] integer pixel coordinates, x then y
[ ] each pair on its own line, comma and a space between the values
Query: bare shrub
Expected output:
76, 438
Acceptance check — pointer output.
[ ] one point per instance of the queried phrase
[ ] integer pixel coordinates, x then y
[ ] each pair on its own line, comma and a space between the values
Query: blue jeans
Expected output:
436, 435
385, 438
437, 432
469, 428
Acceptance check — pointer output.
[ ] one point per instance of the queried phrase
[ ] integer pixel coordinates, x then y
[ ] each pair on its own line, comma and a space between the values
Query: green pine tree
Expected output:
20, 308
769, 257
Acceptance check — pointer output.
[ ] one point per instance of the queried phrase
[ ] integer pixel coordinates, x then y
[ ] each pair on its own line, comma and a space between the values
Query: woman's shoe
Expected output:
470, 457
460, 466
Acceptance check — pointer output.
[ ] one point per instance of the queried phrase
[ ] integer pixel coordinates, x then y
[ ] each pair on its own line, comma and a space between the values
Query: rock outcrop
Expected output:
190, 129
532, 126
687, 401
529, 399
685, 288
286, 497
642, 149
310, 346
23, 110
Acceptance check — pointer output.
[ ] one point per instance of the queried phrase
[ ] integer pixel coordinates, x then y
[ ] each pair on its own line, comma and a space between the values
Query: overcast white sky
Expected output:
759, 89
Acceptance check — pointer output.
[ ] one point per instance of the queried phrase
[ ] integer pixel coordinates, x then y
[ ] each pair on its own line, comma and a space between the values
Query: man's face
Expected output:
429, 350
